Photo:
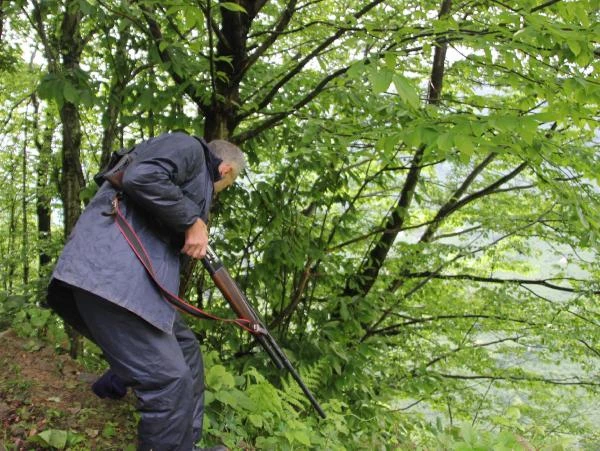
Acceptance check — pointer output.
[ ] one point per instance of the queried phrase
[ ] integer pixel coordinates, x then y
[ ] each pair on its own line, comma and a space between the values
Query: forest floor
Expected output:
46, 403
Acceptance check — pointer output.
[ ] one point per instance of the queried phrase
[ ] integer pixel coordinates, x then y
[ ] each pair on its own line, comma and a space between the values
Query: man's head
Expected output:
233, 162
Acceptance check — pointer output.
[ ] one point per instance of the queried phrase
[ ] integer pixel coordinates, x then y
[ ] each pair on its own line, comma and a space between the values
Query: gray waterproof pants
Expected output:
165, 371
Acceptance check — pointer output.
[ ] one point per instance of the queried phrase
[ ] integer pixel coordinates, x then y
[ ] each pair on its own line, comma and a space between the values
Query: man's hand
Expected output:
196, 240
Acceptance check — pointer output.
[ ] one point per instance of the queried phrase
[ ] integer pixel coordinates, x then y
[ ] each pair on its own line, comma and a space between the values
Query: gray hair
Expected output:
229, 153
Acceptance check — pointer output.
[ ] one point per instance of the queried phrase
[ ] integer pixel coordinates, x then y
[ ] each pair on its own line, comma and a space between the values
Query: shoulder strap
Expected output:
139, 250
114, 169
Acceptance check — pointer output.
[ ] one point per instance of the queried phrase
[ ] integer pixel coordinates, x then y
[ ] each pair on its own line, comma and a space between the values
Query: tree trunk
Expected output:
72, 181
2, 14
110, 117
43, 144
72, 176
71, 185
231, 59
12, 231
24, 226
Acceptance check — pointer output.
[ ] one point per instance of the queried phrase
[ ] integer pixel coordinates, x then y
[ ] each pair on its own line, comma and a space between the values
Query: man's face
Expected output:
227, 177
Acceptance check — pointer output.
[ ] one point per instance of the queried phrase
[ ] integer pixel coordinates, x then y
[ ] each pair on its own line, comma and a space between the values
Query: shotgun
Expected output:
231, 292
240, 305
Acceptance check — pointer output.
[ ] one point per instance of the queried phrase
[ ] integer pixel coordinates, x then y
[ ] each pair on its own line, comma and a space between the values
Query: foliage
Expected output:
57, 439
418, 225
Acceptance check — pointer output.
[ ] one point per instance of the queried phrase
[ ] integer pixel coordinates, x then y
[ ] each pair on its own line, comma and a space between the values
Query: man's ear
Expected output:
225, 168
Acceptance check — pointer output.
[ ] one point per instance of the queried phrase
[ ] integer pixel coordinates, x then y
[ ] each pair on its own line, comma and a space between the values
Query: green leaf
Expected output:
505, 123
406, 91
413, 137
173, 10
56, 438
51, 88
464, 143
355, 70
231, 6
380, 80
574, 46
109, 430
73, 439
267, 443
337, 368
227, 398
86, 7
344, 311
528, 132
445, 141
39, 318
209, 397
70, 92
301, 436
585, 57
390, 60
388, 142
218, 377
191, 17
162, 45
545, 116
581, 13
256, 420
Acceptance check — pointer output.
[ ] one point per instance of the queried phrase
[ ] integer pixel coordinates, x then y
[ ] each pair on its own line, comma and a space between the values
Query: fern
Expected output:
312, 376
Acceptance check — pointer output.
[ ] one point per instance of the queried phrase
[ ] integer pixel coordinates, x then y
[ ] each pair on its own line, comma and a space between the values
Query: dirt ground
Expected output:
46, 403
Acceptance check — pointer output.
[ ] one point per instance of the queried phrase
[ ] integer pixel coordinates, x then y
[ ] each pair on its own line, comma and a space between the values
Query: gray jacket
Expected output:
165, 189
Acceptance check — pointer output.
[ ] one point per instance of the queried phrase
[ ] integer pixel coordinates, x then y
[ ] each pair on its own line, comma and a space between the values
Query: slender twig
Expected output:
518, 281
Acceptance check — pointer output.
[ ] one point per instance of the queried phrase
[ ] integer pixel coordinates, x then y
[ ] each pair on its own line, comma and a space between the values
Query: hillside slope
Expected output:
46, 403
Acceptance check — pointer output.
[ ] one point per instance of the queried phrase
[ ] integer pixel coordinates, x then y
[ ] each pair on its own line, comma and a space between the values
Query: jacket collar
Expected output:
212, 162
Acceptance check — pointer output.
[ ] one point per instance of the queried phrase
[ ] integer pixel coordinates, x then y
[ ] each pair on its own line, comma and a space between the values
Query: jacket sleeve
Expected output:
155, 178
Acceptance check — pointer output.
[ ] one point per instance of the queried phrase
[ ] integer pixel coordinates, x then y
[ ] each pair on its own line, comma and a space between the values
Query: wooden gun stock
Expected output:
240, 305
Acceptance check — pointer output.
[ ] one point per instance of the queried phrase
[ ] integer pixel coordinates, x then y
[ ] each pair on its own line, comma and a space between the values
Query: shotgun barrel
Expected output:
240, 305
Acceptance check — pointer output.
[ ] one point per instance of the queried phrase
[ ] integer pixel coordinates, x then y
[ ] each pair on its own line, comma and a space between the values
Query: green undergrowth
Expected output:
248, 412
45, 405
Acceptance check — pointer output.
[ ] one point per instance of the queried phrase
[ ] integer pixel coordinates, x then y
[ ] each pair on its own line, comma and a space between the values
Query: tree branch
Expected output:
212, 25
453, 206
166, 58
519, 281
449, 206
428, 276
365, 277
590, 347
463, 348
387, 312
298, 68
134, 20
296, 297
278, 117
52, 56
282, 22
458, 233
393, 328
544, 5
564, 381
